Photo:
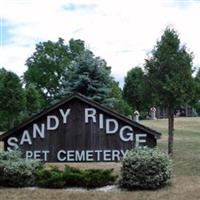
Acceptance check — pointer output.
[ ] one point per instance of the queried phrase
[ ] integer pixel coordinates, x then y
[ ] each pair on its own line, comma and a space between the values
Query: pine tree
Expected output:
90, 76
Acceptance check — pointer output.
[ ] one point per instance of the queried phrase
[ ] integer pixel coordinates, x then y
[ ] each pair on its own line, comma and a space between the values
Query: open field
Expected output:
185, 183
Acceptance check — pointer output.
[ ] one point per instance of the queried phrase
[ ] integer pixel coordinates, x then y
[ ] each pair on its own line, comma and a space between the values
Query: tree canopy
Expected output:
134, 89
12, 99
169, 73
34, 101
120, 105
46, 68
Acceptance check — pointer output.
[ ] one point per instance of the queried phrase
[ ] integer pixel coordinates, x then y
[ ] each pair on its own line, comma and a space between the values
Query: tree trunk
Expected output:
170, 130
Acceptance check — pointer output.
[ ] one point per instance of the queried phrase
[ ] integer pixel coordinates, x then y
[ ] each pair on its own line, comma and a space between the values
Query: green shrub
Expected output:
49, 177
16, 171
98, 178
53, 177
89, 178
73, 177
145, 168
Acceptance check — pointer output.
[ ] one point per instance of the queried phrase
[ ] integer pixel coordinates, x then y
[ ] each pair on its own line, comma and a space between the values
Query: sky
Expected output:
123, 32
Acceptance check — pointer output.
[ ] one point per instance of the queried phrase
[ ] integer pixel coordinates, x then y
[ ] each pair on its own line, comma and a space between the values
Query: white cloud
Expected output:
121, 32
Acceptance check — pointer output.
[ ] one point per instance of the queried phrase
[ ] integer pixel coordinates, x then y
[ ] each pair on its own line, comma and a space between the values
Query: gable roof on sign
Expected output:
89, 102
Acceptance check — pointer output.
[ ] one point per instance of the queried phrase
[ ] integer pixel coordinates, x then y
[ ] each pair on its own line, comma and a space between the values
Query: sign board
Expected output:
78, 130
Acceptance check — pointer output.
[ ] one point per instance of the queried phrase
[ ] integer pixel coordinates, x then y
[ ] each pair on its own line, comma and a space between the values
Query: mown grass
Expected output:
186, 159
184, 185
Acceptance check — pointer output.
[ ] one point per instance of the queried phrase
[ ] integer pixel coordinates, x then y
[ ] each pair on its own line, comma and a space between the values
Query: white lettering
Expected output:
130, 134
108, 126
89, 155
79, 156
139, 140
49, 122
70, 156
115, 155
101, 121
106, 155
25, 138
98, 154
36, 155
61, 157
123, 153
90, 113
45, 155
65, 115
12, 142
39, 155
38, 130
29, 154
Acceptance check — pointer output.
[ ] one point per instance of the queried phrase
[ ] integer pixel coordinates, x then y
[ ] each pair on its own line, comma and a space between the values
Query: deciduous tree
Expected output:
46, 68
169, 72
120, 105
12, 101
134, 89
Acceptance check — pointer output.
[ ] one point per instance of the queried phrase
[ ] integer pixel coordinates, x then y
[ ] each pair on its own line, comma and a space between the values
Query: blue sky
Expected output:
122, 32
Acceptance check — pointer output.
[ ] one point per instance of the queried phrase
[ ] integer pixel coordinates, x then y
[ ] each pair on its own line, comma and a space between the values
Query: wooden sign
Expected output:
78, 130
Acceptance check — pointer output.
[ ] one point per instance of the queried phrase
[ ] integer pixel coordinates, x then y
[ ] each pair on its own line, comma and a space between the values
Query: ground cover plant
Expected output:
185, 183
53, 177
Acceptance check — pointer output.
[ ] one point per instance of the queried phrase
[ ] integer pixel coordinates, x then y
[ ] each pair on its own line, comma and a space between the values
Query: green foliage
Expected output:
90, 76
12, 99
46, 68
197, 107
169, 74
34, 101
120, 105
16, 171
145, 168
72, 177
134, 89
49, 178
89, 178
76, 47
98, 178
169, 71
58, 70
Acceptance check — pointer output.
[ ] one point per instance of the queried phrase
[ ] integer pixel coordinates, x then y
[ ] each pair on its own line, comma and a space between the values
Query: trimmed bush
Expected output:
16, 171
73, 177
89, 178
49, 178
145, 168
98, 178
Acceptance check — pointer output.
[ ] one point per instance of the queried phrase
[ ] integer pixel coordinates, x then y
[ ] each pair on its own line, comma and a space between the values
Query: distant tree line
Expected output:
56, 70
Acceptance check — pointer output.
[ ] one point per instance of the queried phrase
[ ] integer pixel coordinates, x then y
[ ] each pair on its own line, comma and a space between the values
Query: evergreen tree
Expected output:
90, 76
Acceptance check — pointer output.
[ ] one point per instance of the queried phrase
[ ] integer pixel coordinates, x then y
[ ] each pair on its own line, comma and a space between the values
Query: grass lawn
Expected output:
185, 184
